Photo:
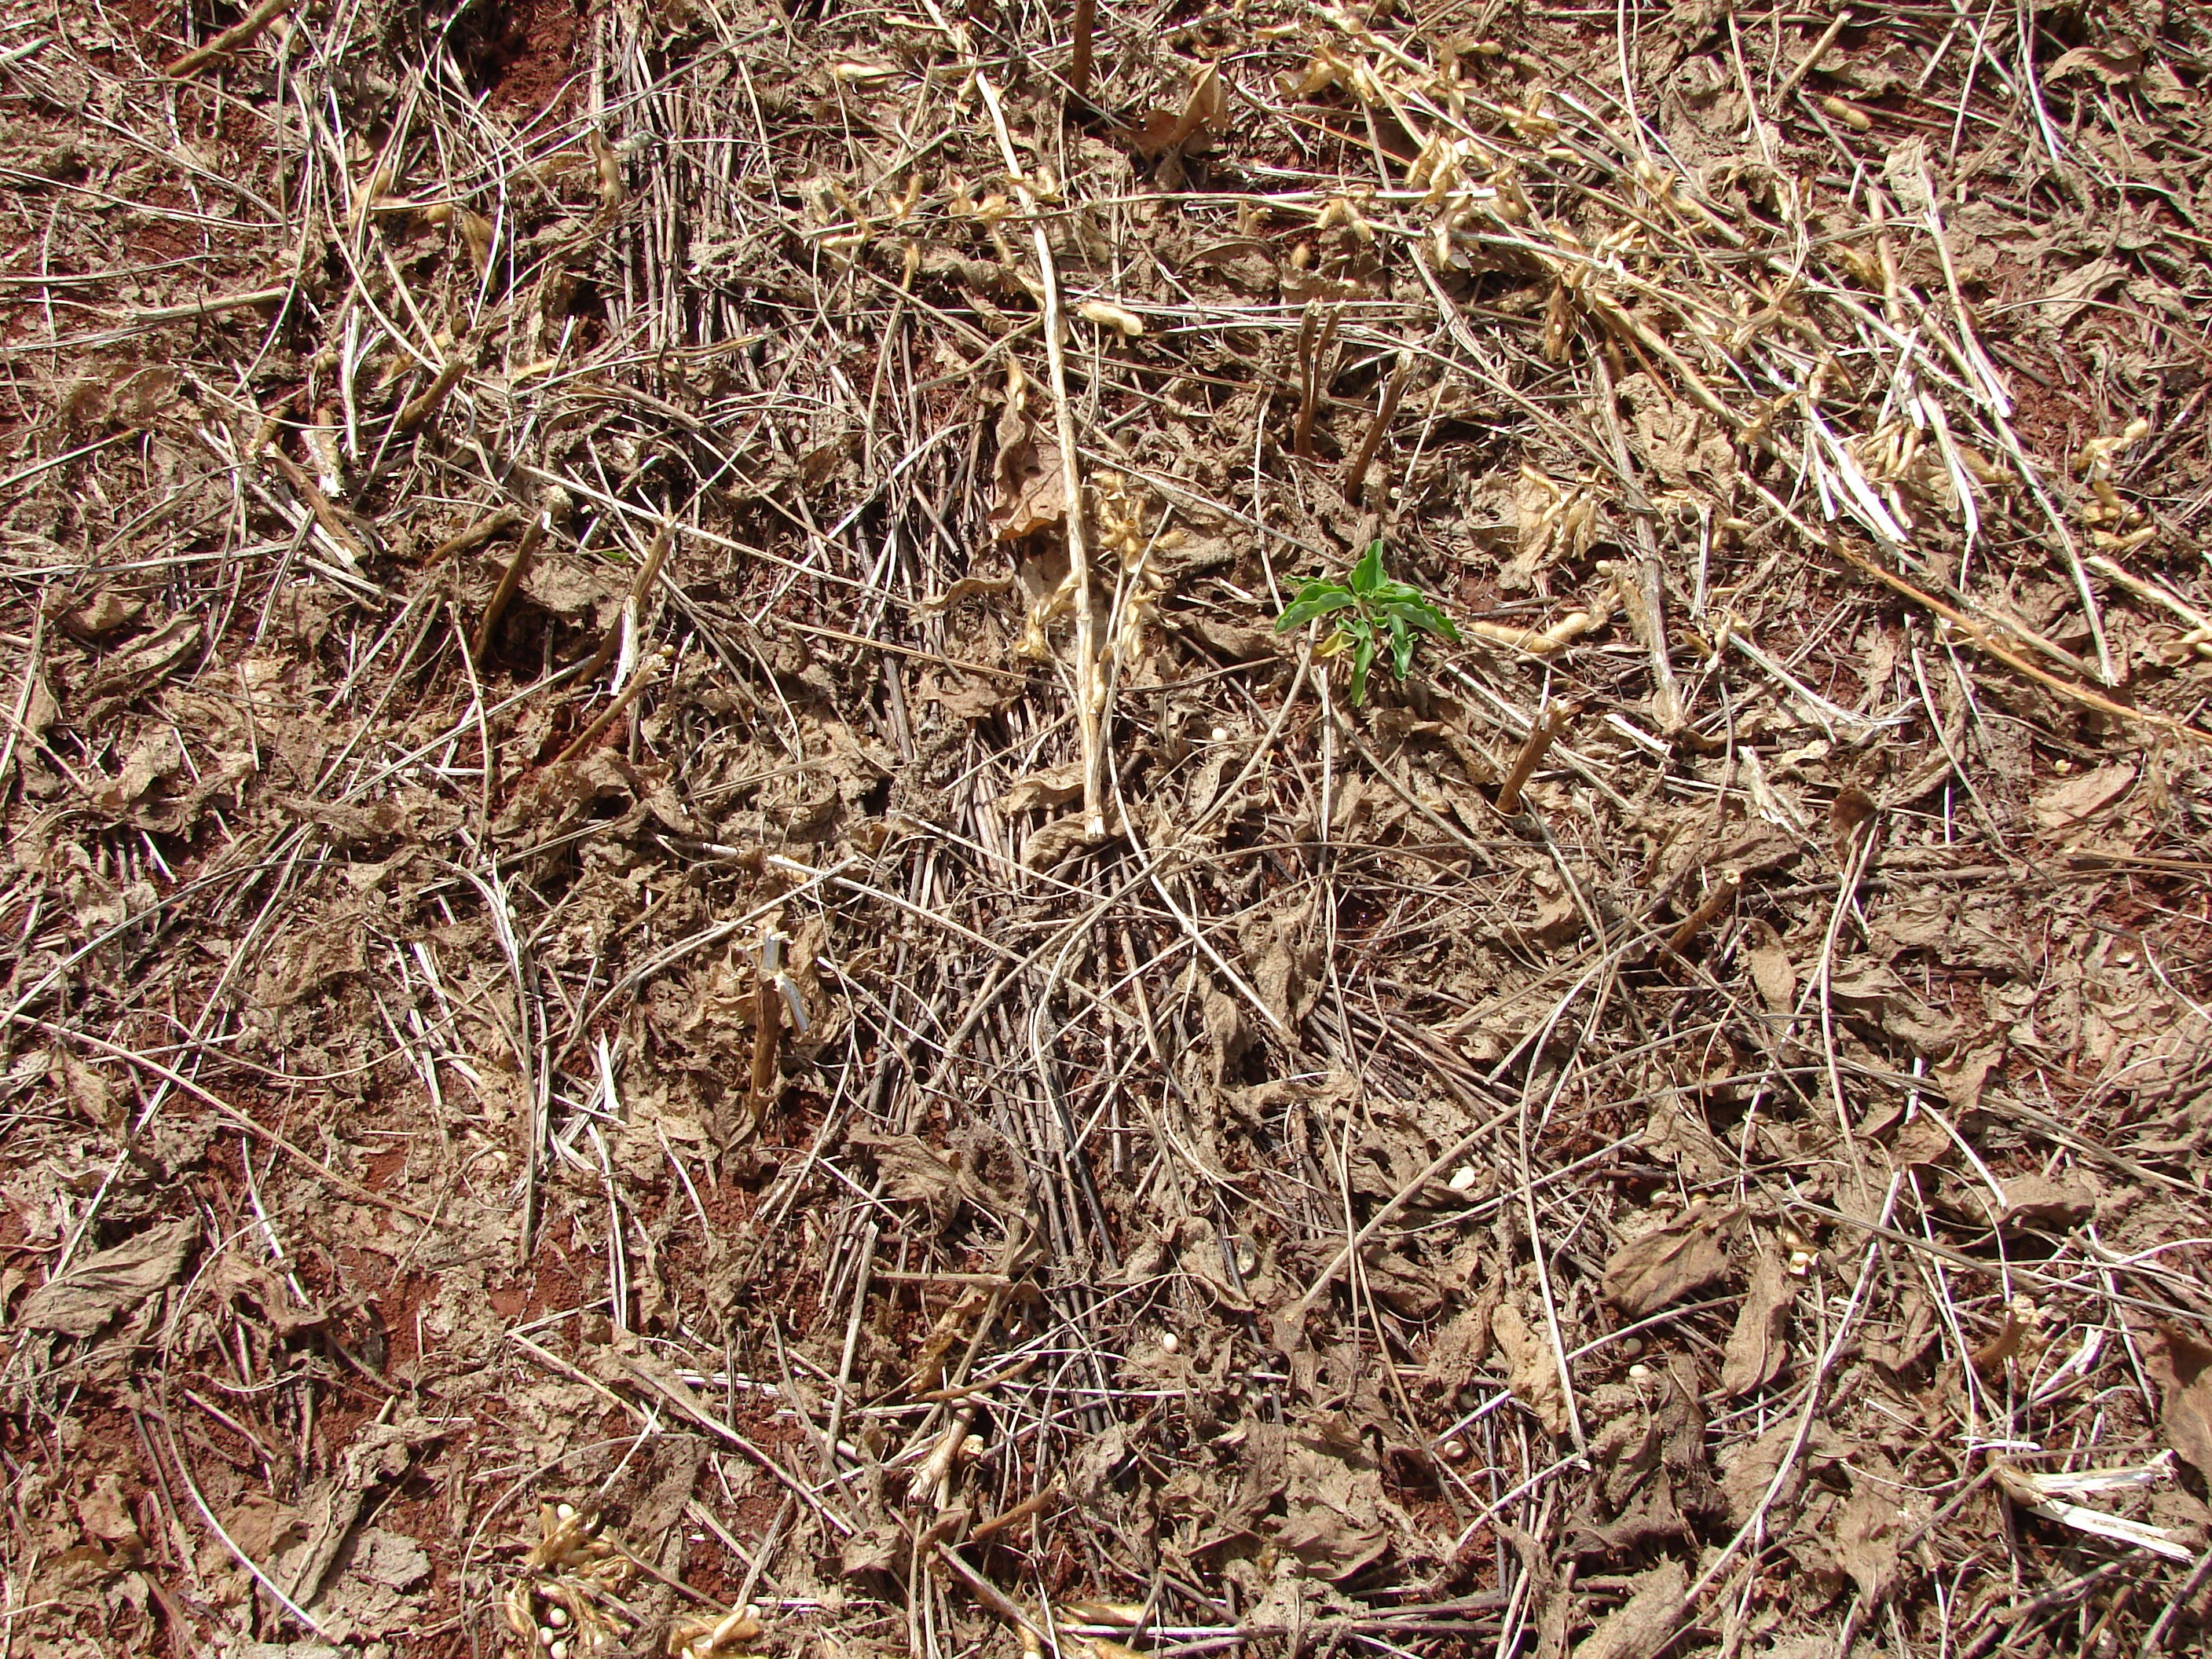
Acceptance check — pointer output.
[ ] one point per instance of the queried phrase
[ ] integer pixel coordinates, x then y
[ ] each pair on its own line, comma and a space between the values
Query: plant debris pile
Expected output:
692, 973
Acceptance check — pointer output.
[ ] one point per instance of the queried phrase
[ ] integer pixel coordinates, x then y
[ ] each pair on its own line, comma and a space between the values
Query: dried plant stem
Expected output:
640, 589
347, 546
615, 710
494, 524
1533, 748
1355, 470
243, 33
1722, 895
420, 409
1078, 68
510, 583
1089, 683
1811, 60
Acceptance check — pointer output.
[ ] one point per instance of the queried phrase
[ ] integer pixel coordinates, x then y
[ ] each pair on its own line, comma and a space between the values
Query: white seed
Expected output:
566, 1511
559, 1650
1454, 1450
1170, 1342
1639, 1371
1463, 1178
557, 1617
544, 1636
1221, 734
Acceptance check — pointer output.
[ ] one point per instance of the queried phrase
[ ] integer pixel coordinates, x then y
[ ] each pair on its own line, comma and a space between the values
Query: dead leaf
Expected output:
1906, 171
365, 1594
1531, 1371
2071, 800
967, 697
1749, 1469
307, 962
1460, 1345
138, 665
1648, 1273
1060, 838
1285, 951
1964, 1079
2067, 297
105, 1514
1755, 1348
105, 1286
2183, 1366
108, 612
1645, 1623
1053, 788
1337, 1518
913, 1171
1231, 1033
1866, 1541
1872, 991
1920, 1144
1032, 482
1771, 973
89, 1090
2114, 63
1916, 1331
1205, 110
2039, 1202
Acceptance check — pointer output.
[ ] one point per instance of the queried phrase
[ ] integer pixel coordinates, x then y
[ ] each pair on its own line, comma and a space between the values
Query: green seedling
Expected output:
1368, 605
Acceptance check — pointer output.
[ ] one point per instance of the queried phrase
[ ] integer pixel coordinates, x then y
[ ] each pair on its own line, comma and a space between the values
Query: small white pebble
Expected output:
566, 1511
558, 1651
1639, 1371
1463, 1178
1170, 1342
556, 1616
1221, 734
544, 1636
1454, 1450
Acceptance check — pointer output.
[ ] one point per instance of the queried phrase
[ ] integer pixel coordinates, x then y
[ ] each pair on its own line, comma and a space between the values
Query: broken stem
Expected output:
239, 33
1539, 739
1722, 895
1355, 475
1078, 70
420, 409
509, 581
615, 710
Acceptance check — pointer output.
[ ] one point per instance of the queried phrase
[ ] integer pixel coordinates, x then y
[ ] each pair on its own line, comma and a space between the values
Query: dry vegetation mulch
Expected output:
690, 974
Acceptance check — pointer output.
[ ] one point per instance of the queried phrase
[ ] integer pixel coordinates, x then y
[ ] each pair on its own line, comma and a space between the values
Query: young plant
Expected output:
1368, 606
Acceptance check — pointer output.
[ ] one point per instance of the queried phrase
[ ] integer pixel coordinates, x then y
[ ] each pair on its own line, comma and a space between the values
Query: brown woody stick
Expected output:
510, 580
1078, 70
1532, 754
240, 33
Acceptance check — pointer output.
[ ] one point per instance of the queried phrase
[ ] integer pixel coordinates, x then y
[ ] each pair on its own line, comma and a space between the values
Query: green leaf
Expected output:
1367, 574
1316, 599
1401, 644
1362, 657
1424, 614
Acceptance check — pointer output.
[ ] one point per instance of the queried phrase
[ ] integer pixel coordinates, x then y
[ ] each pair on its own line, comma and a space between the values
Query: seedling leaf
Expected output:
1374, 603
